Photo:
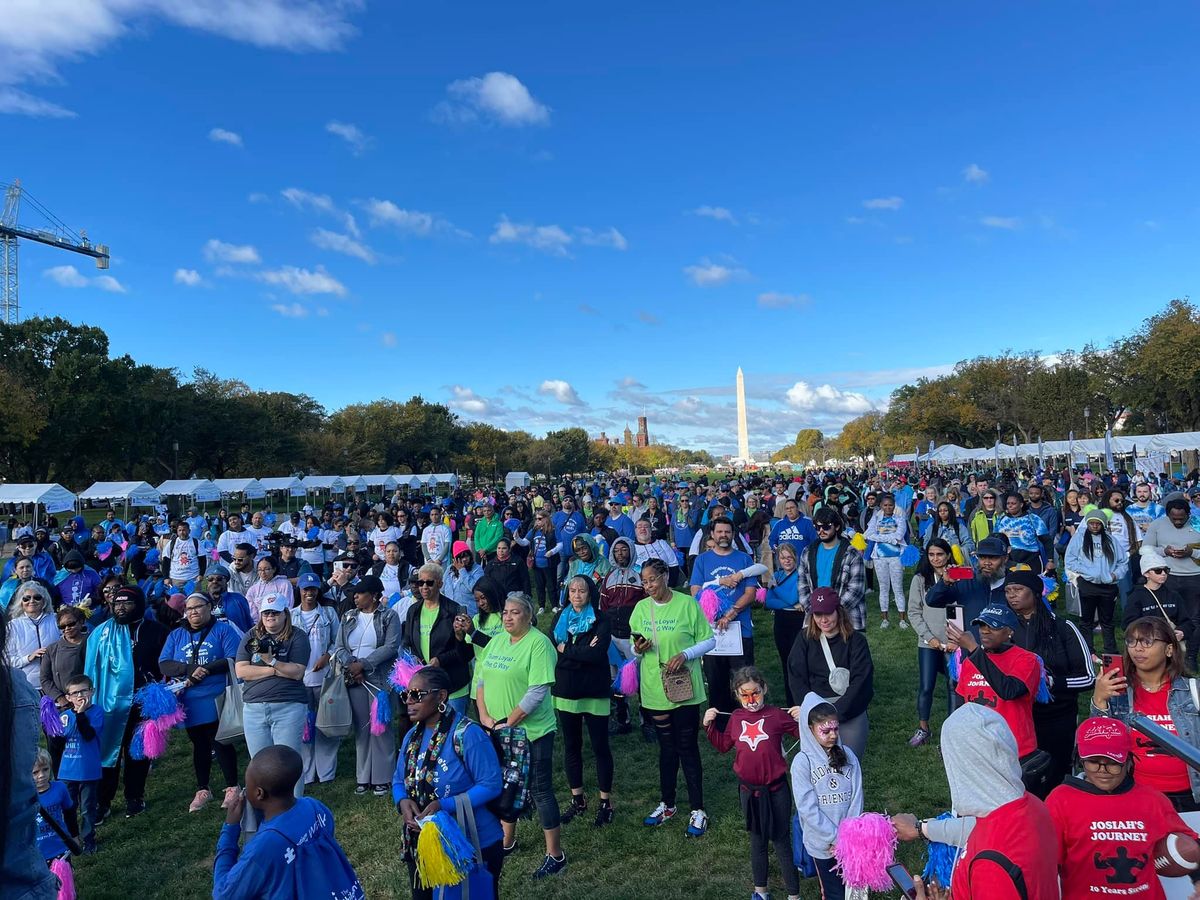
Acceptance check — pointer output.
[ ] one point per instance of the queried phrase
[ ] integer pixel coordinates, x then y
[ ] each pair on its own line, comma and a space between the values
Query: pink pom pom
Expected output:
405, 668
377, 727
154, 739
61, 869
709, 604
760, 596
865, 847
173, 720
627, 678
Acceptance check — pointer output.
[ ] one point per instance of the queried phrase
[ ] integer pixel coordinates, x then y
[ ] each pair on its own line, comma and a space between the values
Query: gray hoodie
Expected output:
823, 796
980, 755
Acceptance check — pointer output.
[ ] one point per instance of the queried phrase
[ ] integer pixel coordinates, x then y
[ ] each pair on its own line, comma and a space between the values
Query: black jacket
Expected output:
808, 671
1142, 603
511, 575
1068, 661
451, 653
582, 671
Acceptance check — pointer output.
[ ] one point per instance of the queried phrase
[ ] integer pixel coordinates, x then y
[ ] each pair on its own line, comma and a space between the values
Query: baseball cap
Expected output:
991, 546
274, 603
996, 616
223, 571
459, 548
1100, 736
26, 539
824, 600
368, 584
308, 580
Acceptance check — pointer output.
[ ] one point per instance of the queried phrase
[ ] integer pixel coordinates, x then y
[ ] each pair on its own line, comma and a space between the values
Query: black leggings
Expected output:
204, 745
678, 744
781, 809
136, 770
788, 626
571, 724
1055, 730
1098, 600
545, 586
493, 858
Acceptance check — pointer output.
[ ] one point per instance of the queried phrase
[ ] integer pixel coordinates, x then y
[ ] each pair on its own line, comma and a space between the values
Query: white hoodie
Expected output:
823, 795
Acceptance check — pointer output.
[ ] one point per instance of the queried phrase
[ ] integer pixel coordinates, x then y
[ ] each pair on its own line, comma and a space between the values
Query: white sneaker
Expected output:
697, 823
885, 624
201, 800
904, 624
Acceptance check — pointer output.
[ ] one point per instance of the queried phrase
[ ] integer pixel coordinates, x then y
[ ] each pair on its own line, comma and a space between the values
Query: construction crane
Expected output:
54, 233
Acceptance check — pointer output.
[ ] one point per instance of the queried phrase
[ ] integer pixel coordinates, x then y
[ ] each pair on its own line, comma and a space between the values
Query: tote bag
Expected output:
335, 718
229, 709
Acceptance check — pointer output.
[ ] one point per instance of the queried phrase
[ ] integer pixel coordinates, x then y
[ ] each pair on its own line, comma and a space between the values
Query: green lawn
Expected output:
168, 853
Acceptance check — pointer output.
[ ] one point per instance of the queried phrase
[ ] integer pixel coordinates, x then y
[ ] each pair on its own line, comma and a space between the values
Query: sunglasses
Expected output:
1160, 570
426, 582
413, 696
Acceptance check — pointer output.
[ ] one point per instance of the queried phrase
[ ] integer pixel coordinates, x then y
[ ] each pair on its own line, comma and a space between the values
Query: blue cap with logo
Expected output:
996, 616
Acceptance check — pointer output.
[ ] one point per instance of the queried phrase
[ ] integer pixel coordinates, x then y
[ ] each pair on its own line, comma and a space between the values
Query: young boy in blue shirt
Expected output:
79, 770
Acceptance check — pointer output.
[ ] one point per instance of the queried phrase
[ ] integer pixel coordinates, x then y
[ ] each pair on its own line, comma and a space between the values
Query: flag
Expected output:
1070, 449
1041, 453
997, 457
1108, 453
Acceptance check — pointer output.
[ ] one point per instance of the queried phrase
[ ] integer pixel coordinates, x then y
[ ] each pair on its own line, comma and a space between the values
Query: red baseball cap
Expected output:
1099, 736
824, 600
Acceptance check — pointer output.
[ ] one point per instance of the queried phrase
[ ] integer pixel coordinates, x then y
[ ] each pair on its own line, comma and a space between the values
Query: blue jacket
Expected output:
22, 868
784, 595
43, 567
971, 595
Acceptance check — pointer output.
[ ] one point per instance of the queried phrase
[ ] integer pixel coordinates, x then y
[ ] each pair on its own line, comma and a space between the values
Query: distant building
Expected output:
603, 438
643, 436
628, 436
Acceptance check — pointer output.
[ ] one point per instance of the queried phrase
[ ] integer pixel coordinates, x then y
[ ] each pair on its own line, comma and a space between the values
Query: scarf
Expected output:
419, 772
108, 661
572, 622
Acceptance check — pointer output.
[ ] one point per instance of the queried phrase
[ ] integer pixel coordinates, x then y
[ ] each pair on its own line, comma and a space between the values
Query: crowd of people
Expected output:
605, 608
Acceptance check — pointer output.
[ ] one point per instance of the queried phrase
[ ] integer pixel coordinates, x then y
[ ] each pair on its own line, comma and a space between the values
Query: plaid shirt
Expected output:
850, 581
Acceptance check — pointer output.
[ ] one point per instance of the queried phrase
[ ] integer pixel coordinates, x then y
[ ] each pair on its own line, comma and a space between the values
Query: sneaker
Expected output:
757, 896
885, 624
361, 790
577, 805
697, 823
509, 850
231, 796
102, 815
551, 866
661, 815
134, 808
380, 790
201, 800
904, 626
920, 737
605, 814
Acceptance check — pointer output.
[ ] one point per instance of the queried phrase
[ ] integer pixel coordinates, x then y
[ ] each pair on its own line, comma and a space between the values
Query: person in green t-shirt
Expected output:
479, 629
514, 689
671, 634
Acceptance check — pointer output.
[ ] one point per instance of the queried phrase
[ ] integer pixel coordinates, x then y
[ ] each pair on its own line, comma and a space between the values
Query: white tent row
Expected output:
387, 482
1121, 445
356, 484
289, 483
250, 488
199, 489
331, 483
54, 497
132, 493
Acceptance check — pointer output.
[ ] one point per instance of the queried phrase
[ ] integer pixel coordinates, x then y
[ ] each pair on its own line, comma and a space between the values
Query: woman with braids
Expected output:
951, 529
1100, 564
445, 759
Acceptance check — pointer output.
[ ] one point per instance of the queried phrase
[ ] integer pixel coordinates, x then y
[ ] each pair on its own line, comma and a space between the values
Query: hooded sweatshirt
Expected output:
980, 755
824, 796
596, 568
1097, 568
620, 590
75, 587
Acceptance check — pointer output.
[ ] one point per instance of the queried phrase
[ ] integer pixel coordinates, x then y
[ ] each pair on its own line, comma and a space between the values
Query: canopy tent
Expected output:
290, 483
250, 488
54, 497
446, 478
386, 482
1082, 448
412, 482
516, 479
199, 489
331, 483
355, 483
1172, 443
132, 493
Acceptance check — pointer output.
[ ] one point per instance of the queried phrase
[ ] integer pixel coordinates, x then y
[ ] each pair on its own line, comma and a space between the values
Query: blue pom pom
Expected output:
954, 665
156, 701
137, 746
1043, 692
310, 728
939, 862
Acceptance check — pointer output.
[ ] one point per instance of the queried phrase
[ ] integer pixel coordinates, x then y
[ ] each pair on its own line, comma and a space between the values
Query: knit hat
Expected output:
1096, 515
459, 548
1025, 577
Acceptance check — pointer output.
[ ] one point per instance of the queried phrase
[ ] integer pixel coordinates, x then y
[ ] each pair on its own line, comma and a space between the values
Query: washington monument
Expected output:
743, 433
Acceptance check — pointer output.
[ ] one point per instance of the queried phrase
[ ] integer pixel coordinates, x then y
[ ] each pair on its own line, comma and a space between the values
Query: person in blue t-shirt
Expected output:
720, 570
1024, 530
618, 521
53, 799
294, 852
568, 523
79, 769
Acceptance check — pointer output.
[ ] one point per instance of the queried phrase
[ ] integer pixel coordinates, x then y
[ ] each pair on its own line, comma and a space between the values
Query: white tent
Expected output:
331, 483
412, 482
54, 497
1171, 443
250, 488
446, 478
516, 479
355, 483
132, 493
290, 483
387, 482
199, 489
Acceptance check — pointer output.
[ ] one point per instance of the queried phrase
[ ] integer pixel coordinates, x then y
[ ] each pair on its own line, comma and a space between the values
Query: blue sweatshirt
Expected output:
785, 594
202, 648
293, 855
81, 757
799, 534
54, 800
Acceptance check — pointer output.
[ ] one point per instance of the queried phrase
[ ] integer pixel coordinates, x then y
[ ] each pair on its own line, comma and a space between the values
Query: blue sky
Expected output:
546, 215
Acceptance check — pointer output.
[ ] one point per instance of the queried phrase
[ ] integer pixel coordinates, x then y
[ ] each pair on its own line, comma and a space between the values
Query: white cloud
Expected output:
547, 238
1010, 223
220, 252
711, 274
351, 134
18, 103
221, 136
496, 97
258, 197
188, 277
892, 203
388, 339
342, 243
975, 175
409, 221
466, 400
562, 391
720, 213
290, 310
303, 281
321, 203
608, 237
70, 277
648, 318
774, 300
827, 399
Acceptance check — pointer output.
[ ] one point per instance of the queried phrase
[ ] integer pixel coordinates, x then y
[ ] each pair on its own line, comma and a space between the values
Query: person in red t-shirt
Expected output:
755, 734
1107, 823
998, 675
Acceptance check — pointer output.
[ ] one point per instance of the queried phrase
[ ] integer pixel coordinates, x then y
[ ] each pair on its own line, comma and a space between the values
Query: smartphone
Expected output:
903, 880
956, 615
636, 636
960, 573
1110, 661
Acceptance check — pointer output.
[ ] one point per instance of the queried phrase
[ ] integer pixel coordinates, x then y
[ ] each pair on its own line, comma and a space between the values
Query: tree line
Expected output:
74, 415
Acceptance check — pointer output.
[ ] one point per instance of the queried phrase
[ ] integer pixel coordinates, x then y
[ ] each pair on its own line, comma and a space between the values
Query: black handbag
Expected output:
1035, 771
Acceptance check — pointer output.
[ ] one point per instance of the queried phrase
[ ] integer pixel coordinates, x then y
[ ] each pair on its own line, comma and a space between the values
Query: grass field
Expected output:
167, 852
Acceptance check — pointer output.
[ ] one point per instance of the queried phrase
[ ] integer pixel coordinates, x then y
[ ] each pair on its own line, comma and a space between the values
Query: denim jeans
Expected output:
85, 795
268, 724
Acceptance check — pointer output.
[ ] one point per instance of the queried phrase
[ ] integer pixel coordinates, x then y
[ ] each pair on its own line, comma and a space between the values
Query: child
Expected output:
53, 799
827, 786
83, 725
755, 734
1107, 824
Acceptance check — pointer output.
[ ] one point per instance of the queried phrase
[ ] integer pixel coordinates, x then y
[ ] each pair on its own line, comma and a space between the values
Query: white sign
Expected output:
729, 641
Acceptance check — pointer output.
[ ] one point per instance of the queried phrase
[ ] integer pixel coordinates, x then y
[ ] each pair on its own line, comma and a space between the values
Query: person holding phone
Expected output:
972, 595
